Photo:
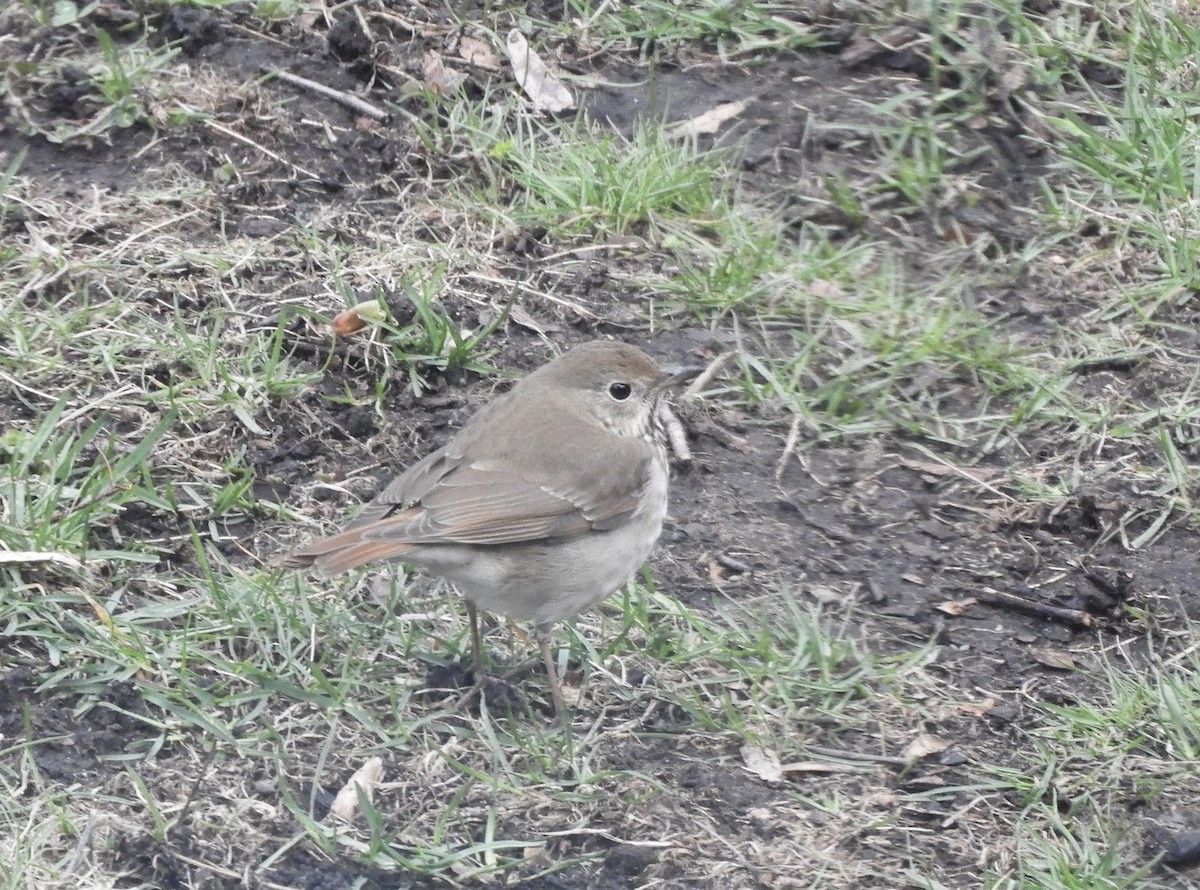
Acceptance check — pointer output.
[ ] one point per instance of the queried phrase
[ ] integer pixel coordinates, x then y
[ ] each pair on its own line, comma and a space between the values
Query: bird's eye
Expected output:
620, 391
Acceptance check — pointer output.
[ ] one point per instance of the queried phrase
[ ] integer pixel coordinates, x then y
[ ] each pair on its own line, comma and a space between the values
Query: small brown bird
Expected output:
545, 503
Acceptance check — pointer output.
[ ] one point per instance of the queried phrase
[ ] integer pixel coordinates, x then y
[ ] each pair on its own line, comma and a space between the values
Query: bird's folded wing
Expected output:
406, 489
492, 504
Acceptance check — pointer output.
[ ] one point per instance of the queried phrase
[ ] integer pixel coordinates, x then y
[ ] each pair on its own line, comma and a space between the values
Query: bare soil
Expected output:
877, 522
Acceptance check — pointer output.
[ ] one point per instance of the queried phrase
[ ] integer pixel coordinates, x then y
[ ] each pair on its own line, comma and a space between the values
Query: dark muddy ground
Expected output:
934, 556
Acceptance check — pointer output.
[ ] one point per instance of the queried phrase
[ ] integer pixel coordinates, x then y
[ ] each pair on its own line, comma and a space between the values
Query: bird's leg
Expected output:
476, 645
544, 641
560, 709
479, 687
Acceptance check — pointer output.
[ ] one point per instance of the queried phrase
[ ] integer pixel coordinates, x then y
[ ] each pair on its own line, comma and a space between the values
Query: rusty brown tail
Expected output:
338, 553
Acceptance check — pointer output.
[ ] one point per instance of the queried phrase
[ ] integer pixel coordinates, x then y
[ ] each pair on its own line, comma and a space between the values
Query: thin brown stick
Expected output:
1074, 617
348, 99
270, 154
844, 754
705, 377
789, 447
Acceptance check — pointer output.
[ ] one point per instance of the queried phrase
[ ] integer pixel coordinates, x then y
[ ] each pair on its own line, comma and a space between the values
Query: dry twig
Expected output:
1074, 617
348, 99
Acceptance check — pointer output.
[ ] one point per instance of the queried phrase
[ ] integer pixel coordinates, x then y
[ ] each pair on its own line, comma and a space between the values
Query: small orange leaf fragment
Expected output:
358, 317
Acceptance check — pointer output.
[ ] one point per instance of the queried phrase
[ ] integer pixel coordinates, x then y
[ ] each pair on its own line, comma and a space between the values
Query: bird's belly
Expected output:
546, 582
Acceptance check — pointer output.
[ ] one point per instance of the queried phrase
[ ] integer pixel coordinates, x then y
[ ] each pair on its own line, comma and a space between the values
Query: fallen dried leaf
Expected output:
537, 855
980, 709
477, 52
826, 595
933, 468
34, 556
1053, 658
366, 777
825, 290
358, 317
923, 746
763, 762
715, 573
864, 48
523, 317
709, 122
544, 90
956, 607
438, 78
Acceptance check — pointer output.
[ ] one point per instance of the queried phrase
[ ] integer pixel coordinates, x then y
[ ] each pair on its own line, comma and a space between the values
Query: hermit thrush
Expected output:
545, 503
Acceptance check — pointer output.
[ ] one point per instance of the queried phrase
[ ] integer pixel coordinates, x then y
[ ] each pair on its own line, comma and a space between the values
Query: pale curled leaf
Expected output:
518, 315
544, 90
935, 469
366, 777
709, 122
923, 746
1053, 658
477, 52
763, 762
715, 575
438, 78
242, 413
825, 290
826, 595
35, 556
956, 607
978, 709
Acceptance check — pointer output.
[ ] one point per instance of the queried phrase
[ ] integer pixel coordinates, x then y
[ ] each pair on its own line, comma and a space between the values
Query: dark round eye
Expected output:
620, 391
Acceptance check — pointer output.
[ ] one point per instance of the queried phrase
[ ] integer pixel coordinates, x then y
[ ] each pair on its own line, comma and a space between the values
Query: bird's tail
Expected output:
341, 552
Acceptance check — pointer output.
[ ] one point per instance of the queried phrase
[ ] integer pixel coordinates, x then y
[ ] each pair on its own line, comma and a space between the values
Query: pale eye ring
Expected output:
620, 391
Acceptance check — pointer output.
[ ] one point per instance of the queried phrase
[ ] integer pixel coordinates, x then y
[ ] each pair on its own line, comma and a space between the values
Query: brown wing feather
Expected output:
407, 488
489, 506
